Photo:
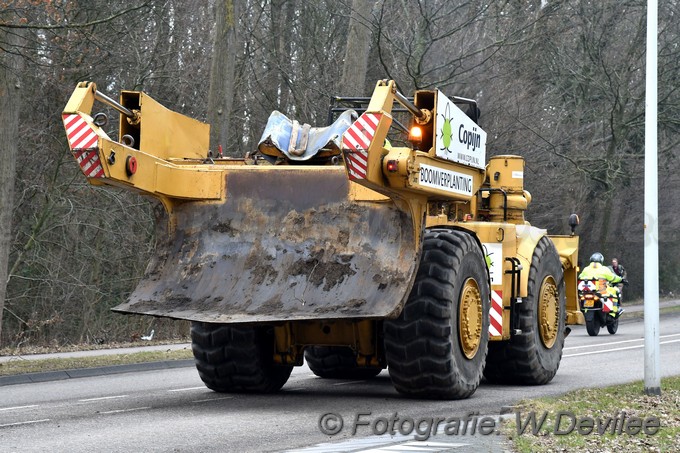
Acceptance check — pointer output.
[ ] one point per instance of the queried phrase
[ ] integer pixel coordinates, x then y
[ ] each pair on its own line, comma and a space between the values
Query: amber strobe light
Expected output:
416, 134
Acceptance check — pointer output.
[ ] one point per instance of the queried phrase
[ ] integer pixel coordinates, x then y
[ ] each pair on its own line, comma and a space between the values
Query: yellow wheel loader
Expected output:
332, 245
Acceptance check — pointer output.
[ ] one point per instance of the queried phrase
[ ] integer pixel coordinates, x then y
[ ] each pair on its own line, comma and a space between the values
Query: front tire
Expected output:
237, 358
337, 362
533, 357
437, 346
613, 326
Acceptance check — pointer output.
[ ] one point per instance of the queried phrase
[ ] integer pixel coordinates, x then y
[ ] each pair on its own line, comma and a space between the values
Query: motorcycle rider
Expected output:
596, 270
618, 269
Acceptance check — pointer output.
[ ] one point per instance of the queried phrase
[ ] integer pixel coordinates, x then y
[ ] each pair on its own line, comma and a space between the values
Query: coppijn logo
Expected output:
445, 132
458, 138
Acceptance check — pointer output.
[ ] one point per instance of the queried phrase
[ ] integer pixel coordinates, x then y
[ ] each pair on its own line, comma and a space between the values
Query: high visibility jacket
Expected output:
597, 271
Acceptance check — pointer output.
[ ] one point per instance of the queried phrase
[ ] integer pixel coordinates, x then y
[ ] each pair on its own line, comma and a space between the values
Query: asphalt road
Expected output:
170, 410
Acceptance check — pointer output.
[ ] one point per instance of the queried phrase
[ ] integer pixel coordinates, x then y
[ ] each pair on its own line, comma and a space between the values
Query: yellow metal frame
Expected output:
567, 247
362, 336
155, 176
161, 131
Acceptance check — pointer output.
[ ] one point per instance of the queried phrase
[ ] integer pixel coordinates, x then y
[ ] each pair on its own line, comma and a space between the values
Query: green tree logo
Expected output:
445, 133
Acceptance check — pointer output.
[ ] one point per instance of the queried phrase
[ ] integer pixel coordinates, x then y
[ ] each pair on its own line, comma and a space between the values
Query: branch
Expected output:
84, 25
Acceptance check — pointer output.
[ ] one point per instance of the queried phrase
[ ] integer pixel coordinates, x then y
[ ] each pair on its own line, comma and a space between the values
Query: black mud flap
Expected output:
287, 244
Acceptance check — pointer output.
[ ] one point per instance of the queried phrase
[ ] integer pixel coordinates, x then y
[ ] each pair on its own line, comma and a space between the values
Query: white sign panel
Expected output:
458, 138
450, 181
493, 253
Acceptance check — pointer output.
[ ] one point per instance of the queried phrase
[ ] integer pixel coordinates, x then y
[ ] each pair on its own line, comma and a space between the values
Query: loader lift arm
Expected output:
147, 158
412, 177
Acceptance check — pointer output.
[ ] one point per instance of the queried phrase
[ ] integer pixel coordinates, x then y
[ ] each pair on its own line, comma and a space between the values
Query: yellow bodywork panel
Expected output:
148, 169
161, 131
81, 99
506, 240
500, 241
176, 182
158, 177
357, 192
567, 247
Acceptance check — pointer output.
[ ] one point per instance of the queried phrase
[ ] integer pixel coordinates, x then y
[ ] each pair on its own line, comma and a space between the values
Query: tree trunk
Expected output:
221, 95
357, 50
9, 137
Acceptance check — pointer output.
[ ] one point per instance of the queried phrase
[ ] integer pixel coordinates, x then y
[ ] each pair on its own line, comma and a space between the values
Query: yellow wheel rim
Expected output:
470, 318
548, 312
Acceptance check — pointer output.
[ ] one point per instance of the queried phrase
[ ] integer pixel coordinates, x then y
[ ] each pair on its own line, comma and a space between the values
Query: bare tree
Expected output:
355, 64
10, 105
222, 73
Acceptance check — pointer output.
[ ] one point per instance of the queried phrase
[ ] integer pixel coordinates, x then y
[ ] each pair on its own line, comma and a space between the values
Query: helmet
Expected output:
597, 258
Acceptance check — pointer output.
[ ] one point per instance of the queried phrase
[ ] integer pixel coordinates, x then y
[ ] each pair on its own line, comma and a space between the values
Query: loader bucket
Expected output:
287, 244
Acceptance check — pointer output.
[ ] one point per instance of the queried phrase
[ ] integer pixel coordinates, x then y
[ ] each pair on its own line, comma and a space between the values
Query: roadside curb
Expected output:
637, 311
30, 378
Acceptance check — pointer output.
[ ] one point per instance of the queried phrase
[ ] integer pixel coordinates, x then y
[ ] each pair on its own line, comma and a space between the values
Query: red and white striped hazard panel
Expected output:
80, 134
355, 142
88, 159
83, 142
496, 314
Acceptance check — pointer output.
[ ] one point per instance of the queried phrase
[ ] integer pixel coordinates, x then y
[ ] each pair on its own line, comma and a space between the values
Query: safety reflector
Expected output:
355, 143
82, 139
496, 314
88, 159
80, 134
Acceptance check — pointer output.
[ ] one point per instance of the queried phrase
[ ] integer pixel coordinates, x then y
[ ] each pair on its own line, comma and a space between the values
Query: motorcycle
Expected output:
600, 304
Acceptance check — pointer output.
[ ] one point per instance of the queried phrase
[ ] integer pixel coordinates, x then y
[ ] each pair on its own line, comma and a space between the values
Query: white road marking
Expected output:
411, 446
25, 423
102, 398
618, 342
603, 351
345, 383
382, 444
188, 389
125, 410
213, 399
17, 407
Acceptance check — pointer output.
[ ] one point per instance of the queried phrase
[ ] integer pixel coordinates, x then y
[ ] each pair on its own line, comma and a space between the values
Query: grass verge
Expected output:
612, 419
21, 366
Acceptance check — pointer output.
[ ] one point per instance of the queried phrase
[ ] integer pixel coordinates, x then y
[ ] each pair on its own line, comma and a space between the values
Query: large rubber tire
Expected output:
336, 362
429, 354
237, 358
613, 326
533, 356
593, 324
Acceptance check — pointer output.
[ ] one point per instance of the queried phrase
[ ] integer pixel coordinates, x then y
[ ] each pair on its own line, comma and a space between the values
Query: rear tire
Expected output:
593, 325
337, 362
533, 357
613, 326
437, 346
237, 358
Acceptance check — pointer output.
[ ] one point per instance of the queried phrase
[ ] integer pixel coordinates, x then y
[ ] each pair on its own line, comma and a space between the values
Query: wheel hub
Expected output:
470, 318
548, 312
